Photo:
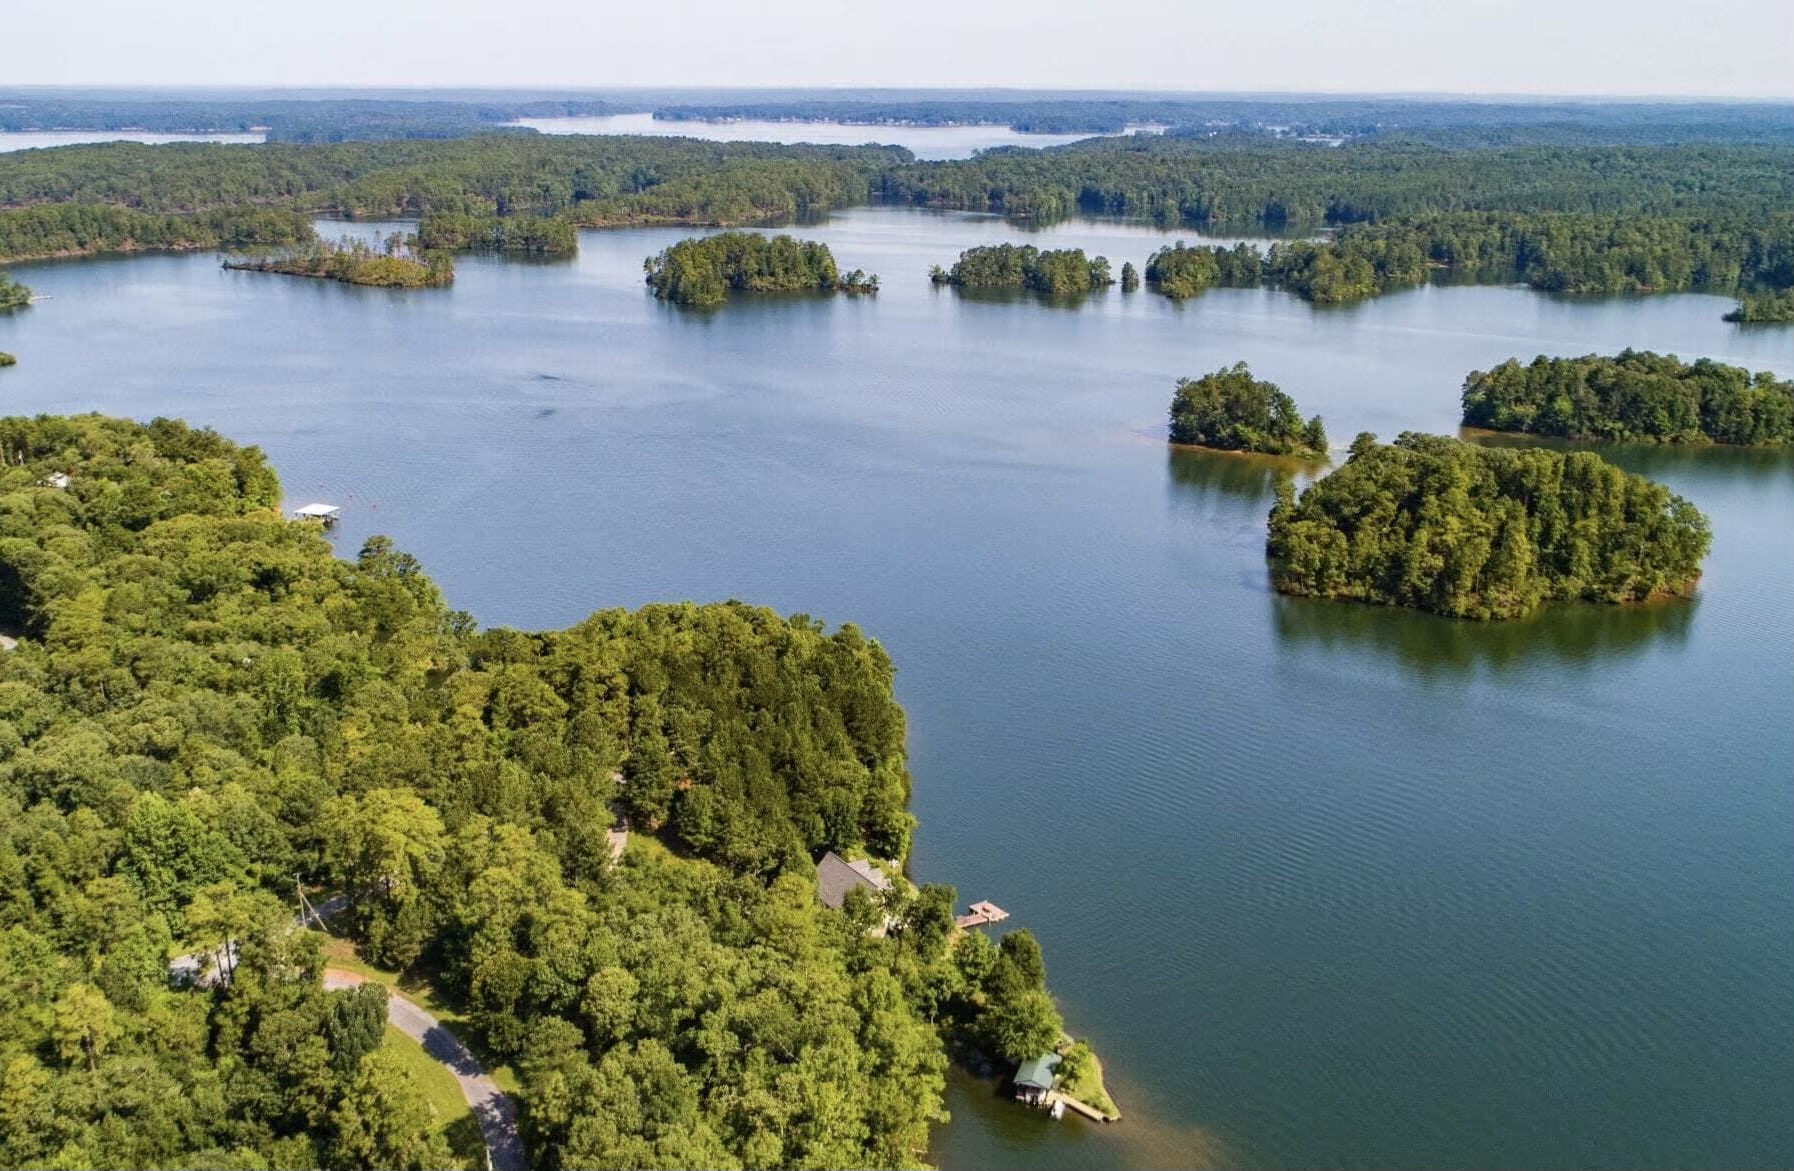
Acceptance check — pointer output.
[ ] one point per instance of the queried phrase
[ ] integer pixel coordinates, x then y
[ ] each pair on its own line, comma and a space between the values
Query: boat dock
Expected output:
982, 913
327, 514
1057, 1099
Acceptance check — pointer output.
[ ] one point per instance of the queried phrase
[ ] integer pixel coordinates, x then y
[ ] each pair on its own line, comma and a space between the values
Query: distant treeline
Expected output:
1477, 532
1006, 266
1634, 397
705, 270
291, 120
1451, 123
533, 235
397, 264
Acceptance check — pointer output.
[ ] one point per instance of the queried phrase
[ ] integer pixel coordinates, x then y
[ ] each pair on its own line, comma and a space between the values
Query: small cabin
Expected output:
327, 514
835, 877
1035, 1079
57, 480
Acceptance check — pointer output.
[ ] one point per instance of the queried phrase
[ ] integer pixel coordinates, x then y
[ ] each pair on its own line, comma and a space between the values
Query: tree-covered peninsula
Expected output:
1480, 532
205, 704
13, 294
1232, 411
1061, 272
1757, 307
1634, 397
397, 263
706, 269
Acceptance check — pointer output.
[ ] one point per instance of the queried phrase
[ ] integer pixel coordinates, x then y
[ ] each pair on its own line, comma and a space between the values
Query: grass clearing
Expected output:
454, 1118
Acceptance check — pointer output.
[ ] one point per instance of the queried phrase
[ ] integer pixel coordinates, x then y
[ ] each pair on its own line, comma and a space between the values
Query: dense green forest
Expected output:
526, 234
1479, 532
1761, 307
1555, 253
1633, 397
398, 263
78, 229
206, 704
1232, 411
595, 180
1253, 185
706, 269
1006, 266
13, 294
1563, 219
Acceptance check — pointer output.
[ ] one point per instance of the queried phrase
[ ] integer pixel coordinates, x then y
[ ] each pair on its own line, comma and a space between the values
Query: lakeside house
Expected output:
1035, 1079
835, 877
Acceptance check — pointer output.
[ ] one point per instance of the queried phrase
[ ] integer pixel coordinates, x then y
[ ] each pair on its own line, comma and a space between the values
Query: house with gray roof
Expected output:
835, 877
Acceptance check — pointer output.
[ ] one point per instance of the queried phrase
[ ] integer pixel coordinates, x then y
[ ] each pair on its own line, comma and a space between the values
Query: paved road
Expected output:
492, 1108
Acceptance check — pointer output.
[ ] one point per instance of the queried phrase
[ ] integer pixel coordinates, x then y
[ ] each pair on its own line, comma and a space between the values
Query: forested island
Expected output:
13, 294
1230, 410
1062, 272
528, 235
1179, 271
706, 269
1478, 532
1562, 218
398, 263
205, 703
7, 359
1634, 397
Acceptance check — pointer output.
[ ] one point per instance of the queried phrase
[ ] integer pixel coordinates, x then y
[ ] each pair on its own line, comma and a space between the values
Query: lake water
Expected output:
11, 140
1326, 885
927, 142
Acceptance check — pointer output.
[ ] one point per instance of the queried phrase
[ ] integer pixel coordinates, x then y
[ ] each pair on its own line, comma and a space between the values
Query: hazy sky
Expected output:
1734, 48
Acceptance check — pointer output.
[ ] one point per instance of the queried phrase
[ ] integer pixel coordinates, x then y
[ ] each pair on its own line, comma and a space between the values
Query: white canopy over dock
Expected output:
328, 513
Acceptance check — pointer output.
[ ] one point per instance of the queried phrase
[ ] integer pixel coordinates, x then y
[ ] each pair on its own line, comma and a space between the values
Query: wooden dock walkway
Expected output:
1077, 1107
982, 913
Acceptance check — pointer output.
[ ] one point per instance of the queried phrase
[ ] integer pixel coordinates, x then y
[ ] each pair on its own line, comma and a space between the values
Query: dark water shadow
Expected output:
1578, 634
988, 296
1686, 463
1244, 475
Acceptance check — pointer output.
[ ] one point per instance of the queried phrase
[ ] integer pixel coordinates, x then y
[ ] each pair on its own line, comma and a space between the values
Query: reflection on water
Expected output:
1574, 634
1687, 464
1252, 477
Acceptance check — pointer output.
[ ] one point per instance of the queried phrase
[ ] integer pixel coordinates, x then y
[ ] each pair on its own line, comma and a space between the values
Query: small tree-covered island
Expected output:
1478, 532
706, 269
13, 294
397, 263
1064, 272
1230, 410
205, 705
1635, 397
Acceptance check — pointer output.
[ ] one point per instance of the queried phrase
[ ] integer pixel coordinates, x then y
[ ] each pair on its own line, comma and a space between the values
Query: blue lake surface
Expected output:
1326, 885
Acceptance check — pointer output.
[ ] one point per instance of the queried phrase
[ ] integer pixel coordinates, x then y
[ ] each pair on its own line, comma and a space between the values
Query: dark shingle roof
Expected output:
834, 878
